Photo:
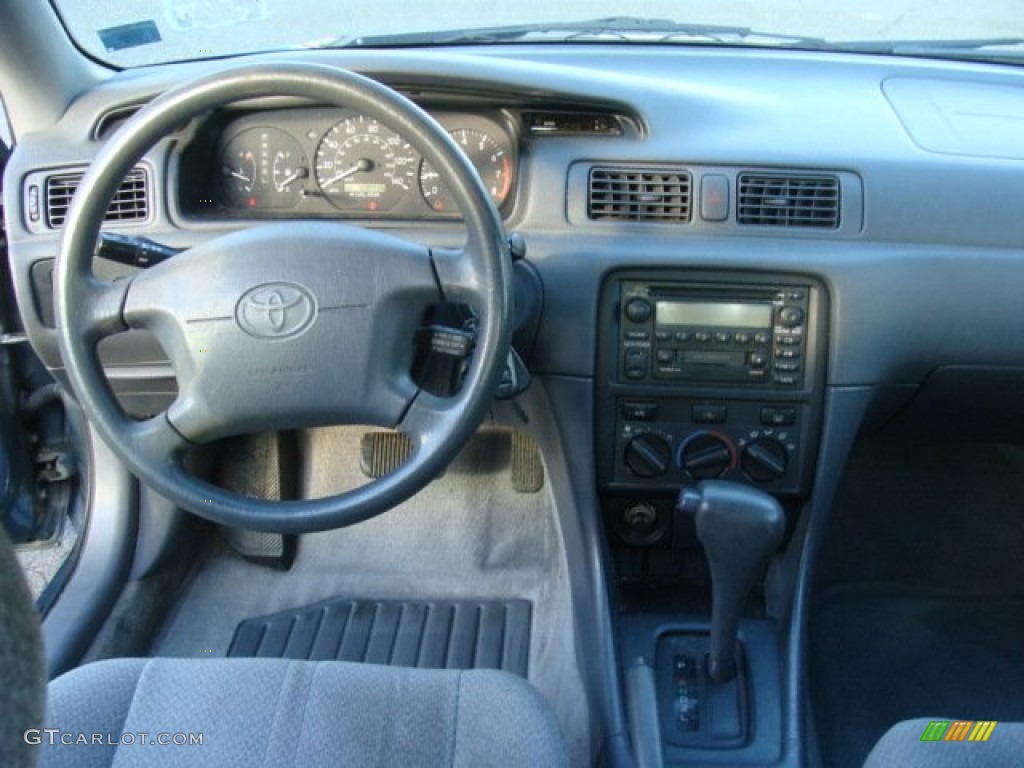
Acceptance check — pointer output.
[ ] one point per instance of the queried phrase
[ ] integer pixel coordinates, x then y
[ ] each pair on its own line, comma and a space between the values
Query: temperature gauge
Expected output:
263, 167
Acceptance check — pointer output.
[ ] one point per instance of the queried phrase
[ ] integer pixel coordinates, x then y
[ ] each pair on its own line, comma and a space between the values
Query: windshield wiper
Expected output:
622, 28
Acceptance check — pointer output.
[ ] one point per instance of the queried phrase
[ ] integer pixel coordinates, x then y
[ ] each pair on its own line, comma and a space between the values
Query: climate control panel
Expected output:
673, 441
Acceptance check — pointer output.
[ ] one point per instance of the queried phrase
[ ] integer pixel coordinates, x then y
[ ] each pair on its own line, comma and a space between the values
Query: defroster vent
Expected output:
131, 201
777, 200
634, 194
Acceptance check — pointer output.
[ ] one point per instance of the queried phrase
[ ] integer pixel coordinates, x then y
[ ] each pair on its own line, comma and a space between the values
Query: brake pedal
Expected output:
383, 452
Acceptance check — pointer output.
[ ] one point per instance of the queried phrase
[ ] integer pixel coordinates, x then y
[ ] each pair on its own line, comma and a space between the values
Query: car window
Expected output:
129, 33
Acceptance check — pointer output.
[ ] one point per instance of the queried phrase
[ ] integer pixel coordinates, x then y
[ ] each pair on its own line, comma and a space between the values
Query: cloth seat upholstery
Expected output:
279, 712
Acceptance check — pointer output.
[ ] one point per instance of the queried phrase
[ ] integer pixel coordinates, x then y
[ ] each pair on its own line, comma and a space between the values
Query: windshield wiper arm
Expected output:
629, 28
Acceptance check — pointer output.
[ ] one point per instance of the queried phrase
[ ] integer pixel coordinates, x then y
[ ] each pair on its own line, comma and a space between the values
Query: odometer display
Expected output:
363, 166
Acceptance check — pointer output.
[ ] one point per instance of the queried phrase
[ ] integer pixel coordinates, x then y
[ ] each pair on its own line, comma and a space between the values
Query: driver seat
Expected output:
271, 712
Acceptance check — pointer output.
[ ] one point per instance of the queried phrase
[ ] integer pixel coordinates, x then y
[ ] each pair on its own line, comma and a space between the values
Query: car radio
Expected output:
737, 334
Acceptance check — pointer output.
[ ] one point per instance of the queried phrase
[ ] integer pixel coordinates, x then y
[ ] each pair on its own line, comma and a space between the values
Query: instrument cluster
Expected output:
335, 162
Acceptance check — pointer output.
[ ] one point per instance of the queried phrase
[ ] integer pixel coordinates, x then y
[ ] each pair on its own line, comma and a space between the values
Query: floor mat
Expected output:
919, 595
878, 660
468, 536
446, 634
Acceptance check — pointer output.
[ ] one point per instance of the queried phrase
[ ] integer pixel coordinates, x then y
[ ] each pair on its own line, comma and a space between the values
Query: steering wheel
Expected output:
286, 325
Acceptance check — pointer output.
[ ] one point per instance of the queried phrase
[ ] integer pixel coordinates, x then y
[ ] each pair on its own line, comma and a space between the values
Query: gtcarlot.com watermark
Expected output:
55, 736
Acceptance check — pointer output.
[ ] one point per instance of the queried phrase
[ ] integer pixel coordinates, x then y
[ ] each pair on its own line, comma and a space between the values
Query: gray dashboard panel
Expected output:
932, 276
960, 118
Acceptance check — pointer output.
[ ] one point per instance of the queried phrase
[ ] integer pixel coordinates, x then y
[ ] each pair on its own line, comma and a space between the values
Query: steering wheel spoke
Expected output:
99, 311
459, 283
157, 439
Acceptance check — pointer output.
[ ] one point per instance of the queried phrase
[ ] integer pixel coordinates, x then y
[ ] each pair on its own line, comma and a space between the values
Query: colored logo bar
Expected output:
958, 730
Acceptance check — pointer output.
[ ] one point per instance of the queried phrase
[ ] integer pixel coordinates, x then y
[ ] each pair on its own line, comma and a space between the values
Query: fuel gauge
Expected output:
263, 167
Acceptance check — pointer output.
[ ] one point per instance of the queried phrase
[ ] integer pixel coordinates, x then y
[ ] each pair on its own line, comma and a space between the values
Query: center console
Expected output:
710, 389
705, 375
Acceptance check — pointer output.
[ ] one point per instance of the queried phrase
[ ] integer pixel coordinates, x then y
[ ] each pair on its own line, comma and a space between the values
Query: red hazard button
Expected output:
714, 197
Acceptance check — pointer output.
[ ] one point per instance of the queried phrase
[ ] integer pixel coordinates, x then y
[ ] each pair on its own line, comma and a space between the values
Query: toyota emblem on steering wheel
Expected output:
276, 310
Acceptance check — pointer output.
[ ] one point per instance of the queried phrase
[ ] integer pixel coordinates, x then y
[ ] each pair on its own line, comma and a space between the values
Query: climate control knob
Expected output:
648, 455
706, 455
764, 460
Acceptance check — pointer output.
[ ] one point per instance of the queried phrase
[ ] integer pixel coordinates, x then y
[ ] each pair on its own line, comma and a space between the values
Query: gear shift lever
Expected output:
740, 527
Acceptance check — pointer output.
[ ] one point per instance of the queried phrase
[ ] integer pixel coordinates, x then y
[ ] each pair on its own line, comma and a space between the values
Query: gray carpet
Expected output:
919, 608
467, 536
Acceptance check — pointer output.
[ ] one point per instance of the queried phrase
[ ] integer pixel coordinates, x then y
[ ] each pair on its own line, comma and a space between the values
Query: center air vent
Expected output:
776, 200
639, 194
131, 201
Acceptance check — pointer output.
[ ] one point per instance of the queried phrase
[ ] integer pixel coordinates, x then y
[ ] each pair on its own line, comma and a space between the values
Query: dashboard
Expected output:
297, 163
860, 177
746, 257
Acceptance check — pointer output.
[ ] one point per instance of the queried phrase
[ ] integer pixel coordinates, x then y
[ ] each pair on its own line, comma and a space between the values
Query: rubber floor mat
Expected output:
450, 634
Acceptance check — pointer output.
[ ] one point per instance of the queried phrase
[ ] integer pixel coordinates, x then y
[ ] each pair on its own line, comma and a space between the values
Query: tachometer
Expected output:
491, 161
362, 165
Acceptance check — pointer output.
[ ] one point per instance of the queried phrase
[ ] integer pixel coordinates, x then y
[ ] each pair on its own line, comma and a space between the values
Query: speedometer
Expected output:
362, 165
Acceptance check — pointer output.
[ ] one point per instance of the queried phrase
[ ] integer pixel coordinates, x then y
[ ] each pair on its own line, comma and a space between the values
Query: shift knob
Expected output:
740, 528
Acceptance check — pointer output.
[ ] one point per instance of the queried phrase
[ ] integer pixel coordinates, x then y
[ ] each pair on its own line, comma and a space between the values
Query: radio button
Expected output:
743, 338
757, 360
638, 310
788, 341
787, 354
683, 336
723, 337
784, 367
786, 380
703, 336
637, 336
637, 362
709, 414
761, 338
790, 317
663, 336
665, 356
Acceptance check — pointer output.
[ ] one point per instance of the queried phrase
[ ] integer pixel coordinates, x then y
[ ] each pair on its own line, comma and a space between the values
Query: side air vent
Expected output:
775, 200
111, 121
639, 194
131, 201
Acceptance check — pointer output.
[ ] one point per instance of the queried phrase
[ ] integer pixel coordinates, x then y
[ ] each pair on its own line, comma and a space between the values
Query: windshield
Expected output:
129, 33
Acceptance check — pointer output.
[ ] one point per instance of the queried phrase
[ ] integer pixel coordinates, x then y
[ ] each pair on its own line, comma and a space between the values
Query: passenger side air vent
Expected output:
775, 200
131, 201
634, 194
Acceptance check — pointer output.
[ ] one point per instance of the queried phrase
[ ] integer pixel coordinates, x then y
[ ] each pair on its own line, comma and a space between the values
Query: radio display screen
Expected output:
718, 314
